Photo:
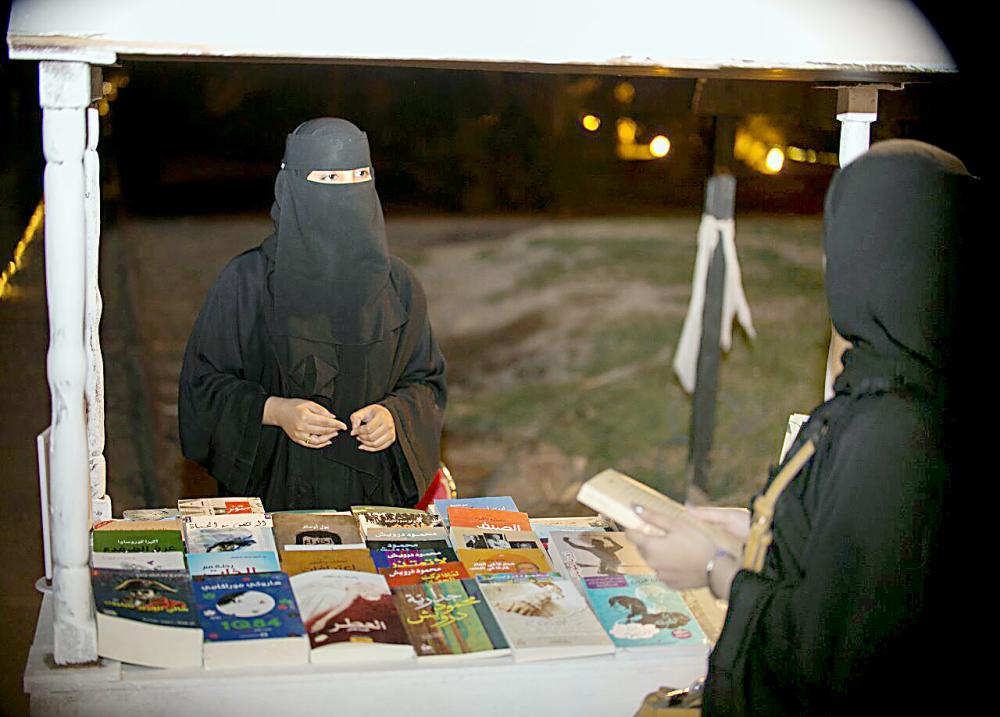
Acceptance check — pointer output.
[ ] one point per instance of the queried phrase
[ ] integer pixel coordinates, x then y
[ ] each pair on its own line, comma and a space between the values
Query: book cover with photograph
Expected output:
387, 517
313, 531
239, 538
480, 539
543, 616
595, 553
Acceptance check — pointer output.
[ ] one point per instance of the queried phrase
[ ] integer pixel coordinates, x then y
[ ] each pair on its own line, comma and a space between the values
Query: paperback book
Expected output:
501, 502
449, 619
409, 534
247, 562
459, 517
413, 557
640, 611
525, 560
137, 541
147, 617
393, 518
350, 617
151, 514
595, 554
480, 539
229, 534
165, 560
424, 573
250, 620
295, 562
312, 531
138, 525
219, 506
543, 616
583, 524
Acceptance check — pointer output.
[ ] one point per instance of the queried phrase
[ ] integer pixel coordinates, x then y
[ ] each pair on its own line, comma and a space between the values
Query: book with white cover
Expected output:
614, 494
350, 617
544, 617
229, 533
219, 506
166, 560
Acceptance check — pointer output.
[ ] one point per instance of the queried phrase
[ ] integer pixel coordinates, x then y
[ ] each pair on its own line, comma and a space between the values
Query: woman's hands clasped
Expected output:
304, 422
374, 427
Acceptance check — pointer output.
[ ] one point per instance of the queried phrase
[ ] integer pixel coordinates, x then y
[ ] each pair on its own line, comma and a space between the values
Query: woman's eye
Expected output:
362, 173
332, 177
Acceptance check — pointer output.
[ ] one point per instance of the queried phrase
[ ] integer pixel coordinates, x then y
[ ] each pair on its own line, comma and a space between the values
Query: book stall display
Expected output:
472, 588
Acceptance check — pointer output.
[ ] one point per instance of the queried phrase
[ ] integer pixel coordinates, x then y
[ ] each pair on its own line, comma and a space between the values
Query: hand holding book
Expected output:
685, 557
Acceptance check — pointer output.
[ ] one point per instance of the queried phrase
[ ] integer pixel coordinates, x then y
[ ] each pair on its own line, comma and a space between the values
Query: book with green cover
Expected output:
137, 541
449, 619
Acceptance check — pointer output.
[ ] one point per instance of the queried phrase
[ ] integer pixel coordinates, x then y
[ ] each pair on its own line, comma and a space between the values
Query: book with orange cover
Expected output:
487, 519
521, 560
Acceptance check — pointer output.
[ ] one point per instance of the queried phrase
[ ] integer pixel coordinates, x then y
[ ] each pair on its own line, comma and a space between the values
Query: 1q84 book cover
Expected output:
247, 607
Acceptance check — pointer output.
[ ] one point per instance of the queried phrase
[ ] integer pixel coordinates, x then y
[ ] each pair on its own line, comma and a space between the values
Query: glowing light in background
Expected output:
14, 265
624, 92
591, 123
775, 159
659, 146
626, 130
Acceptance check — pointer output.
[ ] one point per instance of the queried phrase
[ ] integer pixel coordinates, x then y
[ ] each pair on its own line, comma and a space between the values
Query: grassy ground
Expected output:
610, 395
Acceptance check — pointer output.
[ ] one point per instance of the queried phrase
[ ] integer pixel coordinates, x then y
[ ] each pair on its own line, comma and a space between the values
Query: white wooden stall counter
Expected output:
607, 685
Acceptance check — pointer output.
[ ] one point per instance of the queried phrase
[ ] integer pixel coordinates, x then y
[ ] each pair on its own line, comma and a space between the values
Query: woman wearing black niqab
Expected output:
312, 378
850, 608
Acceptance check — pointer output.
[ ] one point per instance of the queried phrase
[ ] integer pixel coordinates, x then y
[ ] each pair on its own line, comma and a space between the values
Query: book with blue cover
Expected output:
147, 617
641, 611
496, 502
250, 620
236, 563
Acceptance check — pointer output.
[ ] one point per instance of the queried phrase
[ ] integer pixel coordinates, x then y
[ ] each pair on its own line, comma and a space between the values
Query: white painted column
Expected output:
100, 502
857, 108
64, 94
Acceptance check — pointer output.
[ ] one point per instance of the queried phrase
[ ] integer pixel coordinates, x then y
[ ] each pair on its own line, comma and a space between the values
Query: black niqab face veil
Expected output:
331, 262
894, 225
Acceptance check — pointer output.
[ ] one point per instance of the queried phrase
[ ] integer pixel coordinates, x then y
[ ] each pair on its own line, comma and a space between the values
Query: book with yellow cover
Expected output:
295, 562
523, 560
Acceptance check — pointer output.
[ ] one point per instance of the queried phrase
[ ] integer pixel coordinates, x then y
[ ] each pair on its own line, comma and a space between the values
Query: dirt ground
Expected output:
559, 336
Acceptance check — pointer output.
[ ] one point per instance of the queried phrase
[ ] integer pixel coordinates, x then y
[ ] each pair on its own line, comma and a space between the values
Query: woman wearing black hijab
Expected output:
312, 378
845, 610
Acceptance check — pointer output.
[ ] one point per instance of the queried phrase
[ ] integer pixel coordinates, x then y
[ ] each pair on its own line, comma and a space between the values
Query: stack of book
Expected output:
470, 579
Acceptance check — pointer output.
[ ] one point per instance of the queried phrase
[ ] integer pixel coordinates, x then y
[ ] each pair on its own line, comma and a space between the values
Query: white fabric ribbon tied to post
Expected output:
734, 301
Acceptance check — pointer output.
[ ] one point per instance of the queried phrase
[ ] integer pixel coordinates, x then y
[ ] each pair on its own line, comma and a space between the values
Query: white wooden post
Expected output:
100, 502
64, 94
857, 108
